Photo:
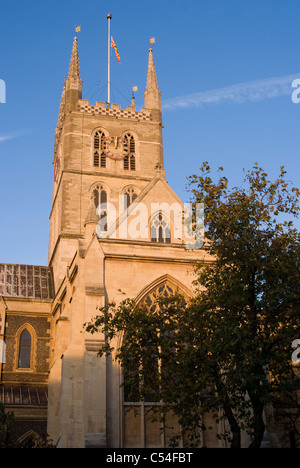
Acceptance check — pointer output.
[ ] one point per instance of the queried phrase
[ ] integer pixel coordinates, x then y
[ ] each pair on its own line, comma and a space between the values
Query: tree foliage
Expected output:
8, 434
227, 351
6, 427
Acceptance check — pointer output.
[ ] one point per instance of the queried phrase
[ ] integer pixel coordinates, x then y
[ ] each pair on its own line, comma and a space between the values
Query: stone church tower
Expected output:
108, 170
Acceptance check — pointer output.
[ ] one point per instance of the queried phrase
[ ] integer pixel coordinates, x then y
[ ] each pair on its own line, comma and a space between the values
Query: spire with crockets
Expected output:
74, 71
73, 82
152, 94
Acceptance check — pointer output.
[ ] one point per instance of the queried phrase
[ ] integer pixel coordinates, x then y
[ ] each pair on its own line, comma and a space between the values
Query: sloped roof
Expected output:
24, 395
139, 199
26, 281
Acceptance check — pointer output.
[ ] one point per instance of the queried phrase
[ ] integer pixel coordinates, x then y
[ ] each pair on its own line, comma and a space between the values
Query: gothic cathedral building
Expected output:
111, 232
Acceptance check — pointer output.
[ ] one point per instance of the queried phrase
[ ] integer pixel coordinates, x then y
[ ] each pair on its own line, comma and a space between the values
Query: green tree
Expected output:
253, 287
228, 351
6, 428
8, 438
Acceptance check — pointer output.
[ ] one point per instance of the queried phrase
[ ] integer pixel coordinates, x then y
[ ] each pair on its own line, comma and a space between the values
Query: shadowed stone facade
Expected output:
26, 295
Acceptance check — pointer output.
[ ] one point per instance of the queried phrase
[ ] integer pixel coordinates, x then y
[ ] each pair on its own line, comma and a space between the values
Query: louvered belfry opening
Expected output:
99, 153
130, 159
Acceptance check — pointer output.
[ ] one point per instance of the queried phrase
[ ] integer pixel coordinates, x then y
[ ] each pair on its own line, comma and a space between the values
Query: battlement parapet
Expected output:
100, 108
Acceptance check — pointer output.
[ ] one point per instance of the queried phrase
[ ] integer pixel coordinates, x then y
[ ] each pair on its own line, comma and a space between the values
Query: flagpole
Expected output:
109, 17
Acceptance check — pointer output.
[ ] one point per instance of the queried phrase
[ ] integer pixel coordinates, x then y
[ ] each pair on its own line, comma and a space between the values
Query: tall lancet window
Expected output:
25, 350
100, 200
99, 157
130, 159
130, 196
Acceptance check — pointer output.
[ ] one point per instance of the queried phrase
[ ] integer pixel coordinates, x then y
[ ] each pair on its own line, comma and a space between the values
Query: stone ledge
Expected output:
94, 290
94, 345
95, 440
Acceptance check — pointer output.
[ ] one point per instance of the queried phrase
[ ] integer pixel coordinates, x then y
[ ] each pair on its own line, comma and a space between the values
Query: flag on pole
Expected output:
116, 50
77, 29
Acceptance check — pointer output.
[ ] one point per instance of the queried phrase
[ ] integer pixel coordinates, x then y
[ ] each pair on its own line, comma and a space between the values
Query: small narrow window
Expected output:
126, 163
25, 350
97, 141
100, 200
132, 162
96, 159
103, 160
132, 145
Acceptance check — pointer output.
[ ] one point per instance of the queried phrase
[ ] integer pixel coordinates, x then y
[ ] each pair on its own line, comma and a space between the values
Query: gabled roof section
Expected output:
24, 395
26, 281
150, 187
140, 199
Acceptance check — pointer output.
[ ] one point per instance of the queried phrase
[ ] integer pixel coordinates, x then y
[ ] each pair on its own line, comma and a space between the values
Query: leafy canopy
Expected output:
227, 351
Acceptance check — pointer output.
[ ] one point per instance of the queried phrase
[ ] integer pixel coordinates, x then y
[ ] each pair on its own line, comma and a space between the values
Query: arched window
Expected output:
130, 159
151, 302
25, 344
130, 197
99, 154
140, 429
160, 228
100, 201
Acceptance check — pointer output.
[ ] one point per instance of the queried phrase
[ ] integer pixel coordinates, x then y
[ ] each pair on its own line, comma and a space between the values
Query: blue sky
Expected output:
225, 70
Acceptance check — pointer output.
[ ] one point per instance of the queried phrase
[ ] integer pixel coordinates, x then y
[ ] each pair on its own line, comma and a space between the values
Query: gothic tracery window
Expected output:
130, 159
151, 302
160, 228
139, 427
162, 291
99, 157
